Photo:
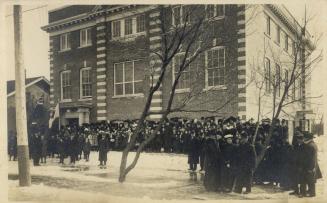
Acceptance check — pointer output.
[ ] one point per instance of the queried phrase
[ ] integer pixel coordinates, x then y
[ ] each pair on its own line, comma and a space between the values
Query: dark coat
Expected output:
44, 147
87, 147
37, 147
61, 147
245, 157
311, 170
194, 151
212, 165
103, 149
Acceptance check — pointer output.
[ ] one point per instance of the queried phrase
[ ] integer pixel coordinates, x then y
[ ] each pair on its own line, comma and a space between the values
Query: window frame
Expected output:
62, 87
278, 78
268, 25
278, 30
67, 46
187, 70
124, 82
81, 82
130, 28
223, 85
113, 30
267, 75
88, 41
286, 75
285, 42
215, 11
136, 22
138, 17
181, 16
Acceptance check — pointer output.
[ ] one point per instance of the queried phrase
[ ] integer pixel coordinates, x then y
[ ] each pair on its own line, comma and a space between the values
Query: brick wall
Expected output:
73, 60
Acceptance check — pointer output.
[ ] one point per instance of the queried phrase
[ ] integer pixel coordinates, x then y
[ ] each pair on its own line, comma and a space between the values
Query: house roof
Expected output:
28, 82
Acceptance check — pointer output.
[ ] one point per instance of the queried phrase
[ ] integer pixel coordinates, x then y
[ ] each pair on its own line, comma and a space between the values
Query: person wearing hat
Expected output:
212, 163
310, 167
295, 161
246, 160
103, 149
227, 175
193, 151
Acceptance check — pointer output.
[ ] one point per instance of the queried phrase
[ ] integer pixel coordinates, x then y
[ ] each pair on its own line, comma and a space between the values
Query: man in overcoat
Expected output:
310, 168
194, 151
103, 150
246, 161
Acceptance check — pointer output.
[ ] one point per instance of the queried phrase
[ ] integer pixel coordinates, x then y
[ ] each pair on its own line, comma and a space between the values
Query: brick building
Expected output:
100, 57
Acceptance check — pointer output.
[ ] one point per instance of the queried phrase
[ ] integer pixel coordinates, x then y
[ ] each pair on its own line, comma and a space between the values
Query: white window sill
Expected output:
64, 50
85, 99
182, 90
84, 46
65, 100
218, 87
128, 95
129, 37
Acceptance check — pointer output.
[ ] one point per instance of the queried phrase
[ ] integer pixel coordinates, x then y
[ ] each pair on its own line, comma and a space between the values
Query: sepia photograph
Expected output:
163, 101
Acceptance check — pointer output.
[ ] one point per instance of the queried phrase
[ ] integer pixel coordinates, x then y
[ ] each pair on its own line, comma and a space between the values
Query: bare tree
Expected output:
189, 40
281, 91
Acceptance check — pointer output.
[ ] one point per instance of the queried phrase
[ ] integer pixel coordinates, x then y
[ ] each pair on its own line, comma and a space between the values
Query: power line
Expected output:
28, 10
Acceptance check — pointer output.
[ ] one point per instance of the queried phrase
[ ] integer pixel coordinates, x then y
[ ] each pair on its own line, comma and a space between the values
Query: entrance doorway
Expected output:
72, 121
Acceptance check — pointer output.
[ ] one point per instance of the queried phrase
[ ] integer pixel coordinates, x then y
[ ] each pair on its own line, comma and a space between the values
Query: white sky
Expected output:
36, 41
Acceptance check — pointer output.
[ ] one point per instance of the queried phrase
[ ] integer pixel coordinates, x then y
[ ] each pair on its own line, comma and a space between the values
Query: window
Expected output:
220, 10
285, 42
131, 25
299, 86
277, 34
128, 77
184, 81
140, 23
267, 75
210, 10
278, 79
215, 63
286, 80
180, 14
128, 26
116, 29
304, 124
85, 37
65, 85
293, 48
215, 11
293, 90
267, 25
65, 41
85, 82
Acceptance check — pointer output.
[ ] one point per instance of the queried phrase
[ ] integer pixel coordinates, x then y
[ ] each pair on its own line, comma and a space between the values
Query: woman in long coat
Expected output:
212, 164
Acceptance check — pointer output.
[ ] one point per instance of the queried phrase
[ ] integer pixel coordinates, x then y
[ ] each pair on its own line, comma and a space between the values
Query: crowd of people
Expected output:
232, 154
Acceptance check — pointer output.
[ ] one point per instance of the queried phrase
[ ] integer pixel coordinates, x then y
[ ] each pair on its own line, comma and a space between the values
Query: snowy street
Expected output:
157, 176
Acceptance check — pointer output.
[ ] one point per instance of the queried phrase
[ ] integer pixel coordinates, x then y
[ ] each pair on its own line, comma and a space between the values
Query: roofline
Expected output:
59, 8
85, 16
30, 84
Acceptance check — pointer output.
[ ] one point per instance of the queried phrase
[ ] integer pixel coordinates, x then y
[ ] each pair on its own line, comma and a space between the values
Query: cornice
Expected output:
82, 18
286, 17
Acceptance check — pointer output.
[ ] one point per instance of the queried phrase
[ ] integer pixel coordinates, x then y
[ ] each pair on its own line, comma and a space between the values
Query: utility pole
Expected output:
20, 100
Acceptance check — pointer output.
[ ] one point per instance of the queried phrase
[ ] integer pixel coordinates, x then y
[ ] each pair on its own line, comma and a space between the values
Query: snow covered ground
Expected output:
157, 177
